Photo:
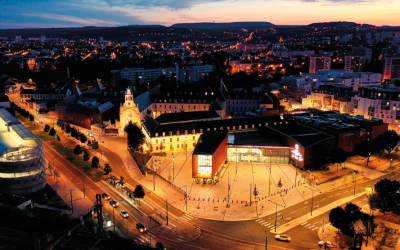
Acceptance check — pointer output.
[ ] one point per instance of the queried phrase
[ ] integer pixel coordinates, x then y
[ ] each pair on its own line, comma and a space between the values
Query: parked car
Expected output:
124, 214
140, 227
105, 196
326, 244
114, 203
283, 237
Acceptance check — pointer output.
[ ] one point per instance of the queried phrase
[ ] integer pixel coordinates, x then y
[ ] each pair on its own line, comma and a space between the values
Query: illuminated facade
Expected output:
22, 162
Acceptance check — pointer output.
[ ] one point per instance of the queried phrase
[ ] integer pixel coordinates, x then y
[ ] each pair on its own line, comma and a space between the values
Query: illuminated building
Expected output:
22, 162
319, 62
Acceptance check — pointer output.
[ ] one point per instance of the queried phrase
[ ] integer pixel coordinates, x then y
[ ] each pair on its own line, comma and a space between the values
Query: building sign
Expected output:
111, 131
296, 154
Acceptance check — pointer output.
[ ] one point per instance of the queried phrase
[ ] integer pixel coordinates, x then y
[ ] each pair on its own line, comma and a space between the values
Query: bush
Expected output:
78, 150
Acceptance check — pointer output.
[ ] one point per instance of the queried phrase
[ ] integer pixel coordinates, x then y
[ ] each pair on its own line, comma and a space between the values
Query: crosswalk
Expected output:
186, 217
310, 226
266, 224
144, 238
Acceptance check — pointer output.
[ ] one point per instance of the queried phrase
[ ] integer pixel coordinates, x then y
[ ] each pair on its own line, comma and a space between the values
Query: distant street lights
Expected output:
173, 167
276, 213
312, 198
186, 147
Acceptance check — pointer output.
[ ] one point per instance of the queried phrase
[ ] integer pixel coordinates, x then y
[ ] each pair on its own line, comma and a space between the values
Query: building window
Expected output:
205, 164
201, 131
170, 139
156, 134
177, 139
170, 133
208, 129
221, 128
194, 137
163, 133
156, 148
193, 131
156, 141
177, 132
186, 132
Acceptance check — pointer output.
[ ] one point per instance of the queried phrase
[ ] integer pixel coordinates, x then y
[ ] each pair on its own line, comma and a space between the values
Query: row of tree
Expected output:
77, 134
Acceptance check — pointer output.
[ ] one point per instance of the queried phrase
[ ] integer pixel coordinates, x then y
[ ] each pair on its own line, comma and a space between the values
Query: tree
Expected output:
86, 155
95, 145
338, 218
89, 143
52, 132
280, 183
386, 196
68, 128
359, 227
135, 136
49, 167
338, 156
107, 169
46, 128
78, 150
139, 192
390, 140
78, 135
161, 146
255, 191
95, 162
73, 132
31, 118
83, 138
58, 138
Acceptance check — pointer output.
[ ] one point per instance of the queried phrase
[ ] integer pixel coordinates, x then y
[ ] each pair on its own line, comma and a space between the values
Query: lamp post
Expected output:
173, 167
276, 213
266, 240
391, 162
369, 155
312, 197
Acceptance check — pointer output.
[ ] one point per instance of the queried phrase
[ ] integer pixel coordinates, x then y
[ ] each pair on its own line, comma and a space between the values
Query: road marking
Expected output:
330, 196
314, 228
259, 219
304, 223
309, 226
358, 201
323, 199
265, 223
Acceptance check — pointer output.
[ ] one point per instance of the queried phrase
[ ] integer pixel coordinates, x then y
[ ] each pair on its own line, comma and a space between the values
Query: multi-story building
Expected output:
186, 100
144, 76
388, 67
44, 94
362, 51
358, 79
354, 62
331, 97
192, 74
381, 102
319, 62
241, 101
88, 113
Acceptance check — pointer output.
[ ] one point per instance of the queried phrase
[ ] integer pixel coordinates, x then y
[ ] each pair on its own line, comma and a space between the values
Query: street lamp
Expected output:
369, 155
391, 162
312, 198
186, 146
276, 213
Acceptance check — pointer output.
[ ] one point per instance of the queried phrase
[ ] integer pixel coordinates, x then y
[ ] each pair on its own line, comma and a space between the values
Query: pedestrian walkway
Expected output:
266, 224
310, 226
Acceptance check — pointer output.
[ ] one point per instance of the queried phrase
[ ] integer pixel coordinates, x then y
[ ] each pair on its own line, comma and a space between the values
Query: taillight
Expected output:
141, 230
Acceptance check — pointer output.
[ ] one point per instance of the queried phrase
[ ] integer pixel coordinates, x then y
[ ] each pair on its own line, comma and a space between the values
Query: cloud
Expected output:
172, 4
340, 1
73, 19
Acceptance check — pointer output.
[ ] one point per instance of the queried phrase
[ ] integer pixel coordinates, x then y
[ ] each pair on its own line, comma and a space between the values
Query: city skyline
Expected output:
47, 14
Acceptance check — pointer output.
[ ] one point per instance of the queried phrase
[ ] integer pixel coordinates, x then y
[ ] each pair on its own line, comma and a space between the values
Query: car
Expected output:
283, 237
124, 214
326, 243
140, 227
105, 196
113, 203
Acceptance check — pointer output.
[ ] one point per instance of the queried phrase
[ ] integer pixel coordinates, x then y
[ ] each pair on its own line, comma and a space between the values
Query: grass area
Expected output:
49, 197
141, 160
20, 117
44, 136
77, 160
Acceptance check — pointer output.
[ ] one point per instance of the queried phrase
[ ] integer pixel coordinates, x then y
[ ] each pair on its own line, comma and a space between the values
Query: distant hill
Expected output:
224, 25
338, 24
83, 32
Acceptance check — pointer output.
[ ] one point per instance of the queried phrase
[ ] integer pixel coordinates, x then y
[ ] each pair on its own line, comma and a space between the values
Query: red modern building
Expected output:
209, 155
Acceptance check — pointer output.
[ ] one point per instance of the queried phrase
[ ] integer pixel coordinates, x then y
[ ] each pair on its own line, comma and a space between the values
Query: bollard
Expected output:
213, 200
232, 201
262, 198
218, 199
203, 199
236, 201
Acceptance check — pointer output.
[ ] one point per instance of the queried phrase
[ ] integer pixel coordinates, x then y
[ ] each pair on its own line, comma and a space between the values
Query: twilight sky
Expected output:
75, 13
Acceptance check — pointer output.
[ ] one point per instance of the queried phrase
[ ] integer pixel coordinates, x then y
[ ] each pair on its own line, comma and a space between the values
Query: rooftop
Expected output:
186, 116
13, 134
209, 142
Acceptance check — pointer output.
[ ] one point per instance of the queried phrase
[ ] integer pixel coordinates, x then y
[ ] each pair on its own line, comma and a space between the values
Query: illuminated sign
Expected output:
111, 131
296, 154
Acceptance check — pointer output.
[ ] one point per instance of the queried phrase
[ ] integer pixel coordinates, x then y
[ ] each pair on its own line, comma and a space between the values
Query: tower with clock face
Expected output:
128, 112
